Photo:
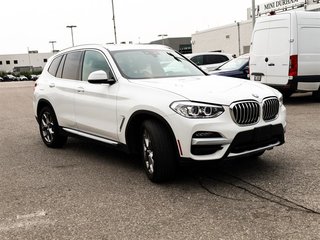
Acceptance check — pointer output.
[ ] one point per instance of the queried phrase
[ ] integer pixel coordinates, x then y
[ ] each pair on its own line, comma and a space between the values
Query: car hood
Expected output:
212, 89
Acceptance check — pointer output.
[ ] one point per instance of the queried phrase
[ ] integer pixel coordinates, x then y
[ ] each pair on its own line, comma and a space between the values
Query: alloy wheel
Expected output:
47, 126
148, 152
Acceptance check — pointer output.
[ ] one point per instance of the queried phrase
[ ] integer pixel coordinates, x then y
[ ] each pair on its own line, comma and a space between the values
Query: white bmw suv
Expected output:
156, 103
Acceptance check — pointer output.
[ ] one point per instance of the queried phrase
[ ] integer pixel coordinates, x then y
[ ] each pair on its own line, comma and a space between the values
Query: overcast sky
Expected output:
33, 23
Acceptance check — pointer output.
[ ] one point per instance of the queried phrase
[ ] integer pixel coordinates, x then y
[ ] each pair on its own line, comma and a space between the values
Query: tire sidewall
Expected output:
163, 151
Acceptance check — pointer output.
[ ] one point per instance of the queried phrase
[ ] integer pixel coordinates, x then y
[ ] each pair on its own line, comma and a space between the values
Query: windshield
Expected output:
153, 63
234, 64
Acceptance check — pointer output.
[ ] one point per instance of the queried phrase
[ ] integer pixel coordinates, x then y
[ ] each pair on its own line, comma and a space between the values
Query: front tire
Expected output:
49, 129
158, 152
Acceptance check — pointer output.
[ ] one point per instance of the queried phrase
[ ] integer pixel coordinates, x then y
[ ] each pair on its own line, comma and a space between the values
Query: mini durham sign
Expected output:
280, 5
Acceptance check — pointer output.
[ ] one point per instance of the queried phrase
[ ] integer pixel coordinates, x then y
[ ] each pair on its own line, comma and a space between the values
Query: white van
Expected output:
285, 52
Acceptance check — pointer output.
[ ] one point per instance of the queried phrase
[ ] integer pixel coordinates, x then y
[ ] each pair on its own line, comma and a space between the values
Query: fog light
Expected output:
203, 134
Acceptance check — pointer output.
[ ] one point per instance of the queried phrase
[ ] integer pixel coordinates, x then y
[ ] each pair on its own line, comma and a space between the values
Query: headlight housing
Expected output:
196, 110
281, 100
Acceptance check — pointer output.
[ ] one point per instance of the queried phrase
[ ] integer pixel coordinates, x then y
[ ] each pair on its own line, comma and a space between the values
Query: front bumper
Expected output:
226, 138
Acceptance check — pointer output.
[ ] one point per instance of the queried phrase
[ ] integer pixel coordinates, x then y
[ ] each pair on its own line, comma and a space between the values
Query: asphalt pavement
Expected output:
88, 190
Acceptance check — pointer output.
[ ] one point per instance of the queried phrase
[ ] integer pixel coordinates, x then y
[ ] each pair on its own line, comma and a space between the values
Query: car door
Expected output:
258, 51
278, 50
95, 104
270, 50
63, 85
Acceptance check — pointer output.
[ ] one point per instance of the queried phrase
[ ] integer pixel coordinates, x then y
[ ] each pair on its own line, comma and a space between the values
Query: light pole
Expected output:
71, 27
253, 13
114, 23
162, 35
52, 42
239, 41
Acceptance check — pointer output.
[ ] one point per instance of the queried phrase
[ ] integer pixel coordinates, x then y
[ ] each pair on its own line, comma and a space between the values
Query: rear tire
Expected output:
316, 95
49, 129
158, 152
287, 93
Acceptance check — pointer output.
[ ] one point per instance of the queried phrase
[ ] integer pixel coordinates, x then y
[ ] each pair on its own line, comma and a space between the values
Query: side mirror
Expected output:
100, 76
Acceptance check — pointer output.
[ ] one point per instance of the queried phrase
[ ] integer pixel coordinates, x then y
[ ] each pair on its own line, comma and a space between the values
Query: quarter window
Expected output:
54, 66
59, 72
72, 66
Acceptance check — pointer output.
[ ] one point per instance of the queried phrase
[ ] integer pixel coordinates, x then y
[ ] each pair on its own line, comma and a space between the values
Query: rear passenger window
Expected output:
198, 60
212, 59
71, 67
54, 66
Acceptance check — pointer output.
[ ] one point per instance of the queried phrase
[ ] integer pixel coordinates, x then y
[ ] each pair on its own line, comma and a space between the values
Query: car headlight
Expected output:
281, 100
196, 110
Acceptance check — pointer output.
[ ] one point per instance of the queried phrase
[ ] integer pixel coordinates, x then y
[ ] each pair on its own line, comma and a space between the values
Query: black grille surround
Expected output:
257, 138
248, 112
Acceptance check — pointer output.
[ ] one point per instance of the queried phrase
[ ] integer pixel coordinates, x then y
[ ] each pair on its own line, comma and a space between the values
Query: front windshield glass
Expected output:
234, 64
153, 63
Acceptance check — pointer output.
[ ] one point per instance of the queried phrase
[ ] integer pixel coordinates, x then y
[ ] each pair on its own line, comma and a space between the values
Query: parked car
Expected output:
209, 61
157, 104
33, 77
285, 52
10, 77
22, 78
237, 67
1, 79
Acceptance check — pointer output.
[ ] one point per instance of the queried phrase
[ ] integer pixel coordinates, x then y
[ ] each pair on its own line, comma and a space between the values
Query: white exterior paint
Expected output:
276, 39
32, 59
154, 95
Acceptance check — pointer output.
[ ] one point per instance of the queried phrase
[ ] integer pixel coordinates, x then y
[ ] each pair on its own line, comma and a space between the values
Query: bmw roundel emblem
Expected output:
255, 95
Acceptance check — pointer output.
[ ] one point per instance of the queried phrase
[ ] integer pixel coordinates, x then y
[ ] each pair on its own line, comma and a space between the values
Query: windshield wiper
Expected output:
170, 54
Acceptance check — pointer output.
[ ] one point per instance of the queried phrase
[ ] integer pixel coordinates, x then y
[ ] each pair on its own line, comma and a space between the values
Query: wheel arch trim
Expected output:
42, 103
144, 115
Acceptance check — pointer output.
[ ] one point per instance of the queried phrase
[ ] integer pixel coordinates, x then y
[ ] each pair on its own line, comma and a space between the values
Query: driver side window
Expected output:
94, 61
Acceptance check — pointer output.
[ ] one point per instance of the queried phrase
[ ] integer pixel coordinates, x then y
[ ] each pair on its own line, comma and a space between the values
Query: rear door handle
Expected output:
271, 64
52, 85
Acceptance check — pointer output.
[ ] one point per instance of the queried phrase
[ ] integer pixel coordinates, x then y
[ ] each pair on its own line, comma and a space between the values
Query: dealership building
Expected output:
235, 38
28, 62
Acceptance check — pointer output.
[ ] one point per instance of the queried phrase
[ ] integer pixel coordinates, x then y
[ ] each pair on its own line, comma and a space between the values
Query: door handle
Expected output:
271, 64
52, 85
80, 89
